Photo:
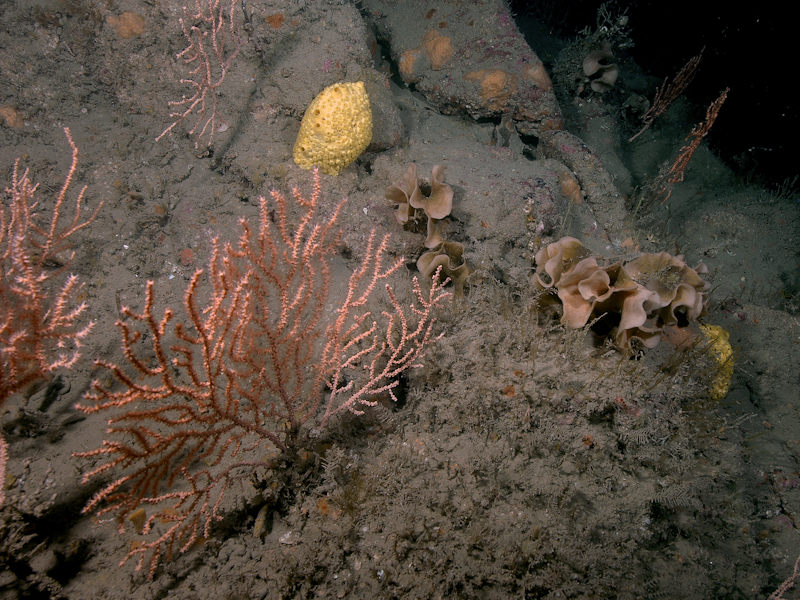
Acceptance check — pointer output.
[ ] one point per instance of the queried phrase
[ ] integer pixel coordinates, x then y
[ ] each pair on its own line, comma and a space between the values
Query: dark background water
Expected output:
753, 49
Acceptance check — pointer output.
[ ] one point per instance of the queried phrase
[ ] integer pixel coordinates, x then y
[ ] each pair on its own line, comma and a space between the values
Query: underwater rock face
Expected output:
464, 62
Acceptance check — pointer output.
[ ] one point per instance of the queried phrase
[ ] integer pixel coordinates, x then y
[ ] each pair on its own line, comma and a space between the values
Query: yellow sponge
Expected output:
336, 128
720, 348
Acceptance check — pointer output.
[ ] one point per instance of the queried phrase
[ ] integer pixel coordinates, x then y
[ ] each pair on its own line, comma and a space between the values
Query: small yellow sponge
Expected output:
336, 128
720, 348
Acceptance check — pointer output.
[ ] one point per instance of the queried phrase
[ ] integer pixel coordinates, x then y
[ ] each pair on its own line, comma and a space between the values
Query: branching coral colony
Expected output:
213, 42
41, 329
244, 370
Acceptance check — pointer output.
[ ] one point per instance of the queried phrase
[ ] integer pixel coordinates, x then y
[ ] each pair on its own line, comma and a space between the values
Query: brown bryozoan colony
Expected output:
634, 303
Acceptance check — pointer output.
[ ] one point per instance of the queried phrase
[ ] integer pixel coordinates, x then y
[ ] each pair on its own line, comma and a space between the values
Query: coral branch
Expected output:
40, 325
669, 92
210, 399
788, 584
696, 135
210, 56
